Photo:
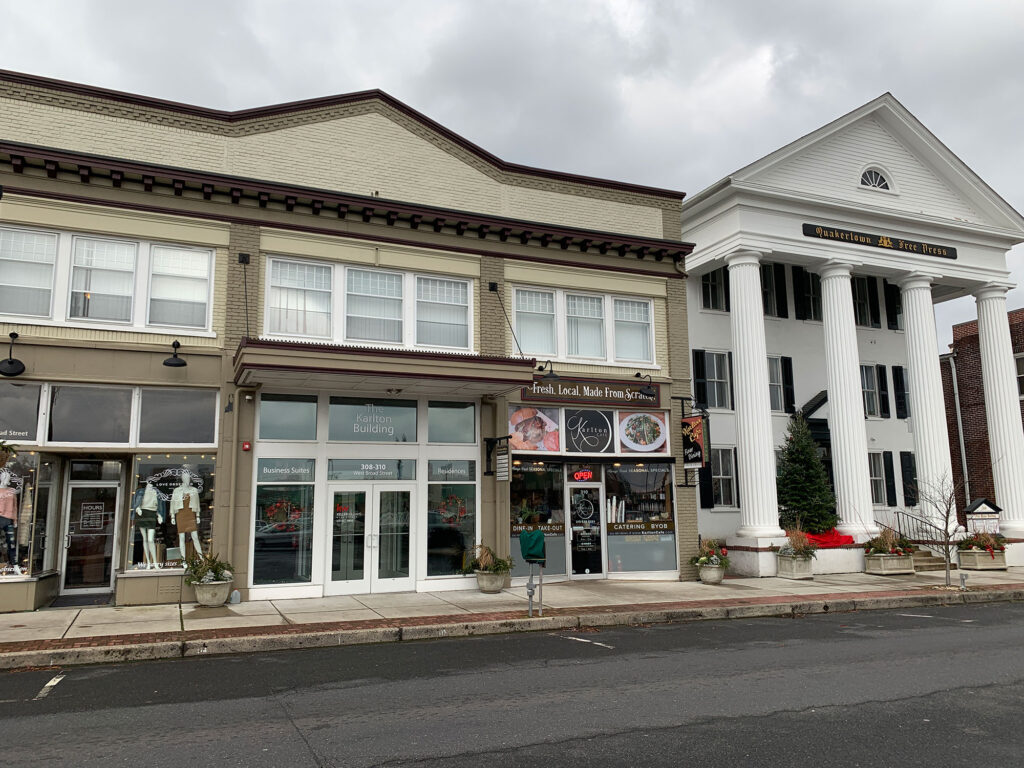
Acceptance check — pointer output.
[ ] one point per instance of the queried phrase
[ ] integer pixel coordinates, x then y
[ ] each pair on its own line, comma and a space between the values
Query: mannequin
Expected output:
8, 518
185, 513
149, 508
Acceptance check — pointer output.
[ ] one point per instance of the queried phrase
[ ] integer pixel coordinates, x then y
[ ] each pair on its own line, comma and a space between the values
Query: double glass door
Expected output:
370, 539
586, 531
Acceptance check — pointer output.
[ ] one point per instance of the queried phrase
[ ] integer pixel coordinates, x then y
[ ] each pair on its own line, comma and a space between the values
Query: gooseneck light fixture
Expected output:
10, 366
647, 390
550, 375
174, 361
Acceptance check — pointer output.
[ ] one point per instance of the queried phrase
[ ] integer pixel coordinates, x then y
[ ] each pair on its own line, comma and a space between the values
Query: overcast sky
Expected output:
669, 93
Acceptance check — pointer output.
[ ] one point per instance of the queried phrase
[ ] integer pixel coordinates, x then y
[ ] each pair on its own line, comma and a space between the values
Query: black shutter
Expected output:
707, 492
892, 304
725, 280
736, 475
788, 392
899, 386
890, 479
883, 392
781, 305
700, 379
876, 315
732, 396
908, 468
800, 310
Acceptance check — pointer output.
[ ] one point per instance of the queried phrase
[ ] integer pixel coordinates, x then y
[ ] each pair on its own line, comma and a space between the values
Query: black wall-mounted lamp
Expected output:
647, 390
550, 375
10, 366
174, 361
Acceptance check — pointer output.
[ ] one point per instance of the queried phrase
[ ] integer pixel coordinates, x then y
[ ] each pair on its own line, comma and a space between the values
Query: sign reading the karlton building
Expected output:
888, 242
591, 391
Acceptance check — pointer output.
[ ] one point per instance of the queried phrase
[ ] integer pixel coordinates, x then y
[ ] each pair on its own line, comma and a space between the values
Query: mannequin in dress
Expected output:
8, 518
185, 513
149, 511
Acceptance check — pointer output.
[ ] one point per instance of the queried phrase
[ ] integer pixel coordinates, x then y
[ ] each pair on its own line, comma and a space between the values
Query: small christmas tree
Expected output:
806, 500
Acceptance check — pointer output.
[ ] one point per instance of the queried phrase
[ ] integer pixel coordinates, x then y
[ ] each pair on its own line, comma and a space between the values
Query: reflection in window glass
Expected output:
451, 526
179, 287
535, 321
90, 414
26, 272
640, 521
451, 422
287, 417
299, 301
19, 411
283, 534
536, 492
354, 419
173, 416
374, 311
442, 312
102, 280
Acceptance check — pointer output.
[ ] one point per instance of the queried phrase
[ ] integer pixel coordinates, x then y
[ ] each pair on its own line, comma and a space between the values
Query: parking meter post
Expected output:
529, 590
540, 592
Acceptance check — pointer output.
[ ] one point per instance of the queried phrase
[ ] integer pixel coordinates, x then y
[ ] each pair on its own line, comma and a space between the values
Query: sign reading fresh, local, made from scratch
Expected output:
888, 242
590, 391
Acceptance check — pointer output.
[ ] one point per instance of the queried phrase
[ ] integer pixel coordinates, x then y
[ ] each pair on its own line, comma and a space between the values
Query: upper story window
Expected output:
768, 290
861, 305
806, 294
877, 473
776, 390
76, 279
595, 327
874, 179
368, 306
714, 290
1020, 375
869, 390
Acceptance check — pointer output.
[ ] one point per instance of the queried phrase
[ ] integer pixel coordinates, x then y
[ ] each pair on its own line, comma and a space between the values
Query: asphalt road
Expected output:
927, 687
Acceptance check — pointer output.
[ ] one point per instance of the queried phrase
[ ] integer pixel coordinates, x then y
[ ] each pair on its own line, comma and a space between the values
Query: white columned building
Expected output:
812, 289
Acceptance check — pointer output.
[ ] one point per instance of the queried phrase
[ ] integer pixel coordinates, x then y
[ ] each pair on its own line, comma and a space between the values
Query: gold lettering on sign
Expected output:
884, 242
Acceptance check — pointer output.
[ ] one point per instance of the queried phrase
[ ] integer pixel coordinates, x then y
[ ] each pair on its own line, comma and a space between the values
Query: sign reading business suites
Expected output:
592, 391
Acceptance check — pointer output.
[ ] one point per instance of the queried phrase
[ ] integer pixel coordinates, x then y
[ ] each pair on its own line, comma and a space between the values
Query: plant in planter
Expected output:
7, 452
794, 557
888, 553
983, 551
491, 570
712, 561
210, 576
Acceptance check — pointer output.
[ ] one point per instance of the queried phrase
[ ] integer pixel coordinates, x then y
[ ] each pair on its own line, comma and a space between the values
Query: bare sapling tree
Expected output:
937, 502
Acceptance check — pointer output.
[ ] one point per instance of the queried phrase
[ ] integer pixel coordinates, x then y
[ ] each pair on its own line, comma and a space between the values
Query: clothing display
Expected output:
8, 503
149, 507
184, 506
7, 526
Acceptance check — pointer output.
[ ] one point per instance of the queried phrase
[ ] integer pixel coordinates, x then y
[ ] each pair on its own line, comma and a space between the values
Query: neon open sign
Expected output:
583, 474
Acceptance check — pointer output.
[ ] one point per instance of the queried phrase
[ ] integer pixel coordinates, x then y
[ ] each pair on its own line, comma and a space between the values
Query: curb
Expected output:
257, 643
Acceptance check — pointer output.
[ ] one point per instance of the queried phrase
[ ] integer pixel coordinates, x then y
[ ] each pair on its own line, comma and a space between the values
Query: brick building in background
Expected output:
965, 409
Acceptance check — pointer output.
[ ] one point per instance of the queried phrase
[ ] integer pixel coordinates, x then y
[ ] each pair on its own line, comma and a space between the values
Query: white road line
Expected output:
48, 687
591, 642
917, 615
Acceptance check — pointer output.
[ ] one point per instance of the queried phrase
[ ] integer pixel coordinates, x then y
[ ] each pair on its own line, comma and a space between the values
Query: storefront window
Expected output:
640, 521
537, 494
19, 411
451, 516
170, 509
451, 422
360, 420
178, 416
287, 417
19, 503
90, 414
283, 532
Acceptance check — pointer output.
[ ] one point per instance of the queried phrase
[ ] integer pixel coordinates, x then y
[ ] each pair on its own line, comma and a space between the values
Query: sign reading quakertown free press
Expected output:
592, 391
889, 242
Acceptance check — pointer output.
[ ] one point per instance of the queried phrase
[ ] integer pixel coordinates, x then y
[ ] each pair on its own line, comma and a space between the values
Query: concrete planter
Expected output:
490, 583
212, 593
888, 565
711, 574
793, 567
980, 560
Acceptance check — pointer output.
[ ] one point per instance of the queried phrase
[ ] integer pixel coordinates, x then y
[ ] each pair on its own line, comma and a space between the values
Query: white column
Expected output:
846, 404
1002, 408
759, 510
927, 404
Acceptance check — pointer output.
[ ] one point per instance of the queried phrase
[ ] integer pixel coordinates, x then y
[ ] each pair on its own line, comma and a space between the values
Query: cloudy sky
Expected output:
670, 93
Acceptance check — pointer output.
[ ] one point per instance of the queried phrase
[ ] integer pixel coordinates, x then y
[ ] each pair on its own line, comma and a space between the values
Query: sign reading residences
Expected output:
591, 391
888, 242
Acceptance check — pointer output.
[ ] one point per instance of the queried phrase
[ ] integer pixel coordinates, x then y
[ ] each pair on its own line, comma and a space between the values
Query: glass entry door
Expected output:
586, 531
370, 539
90, 537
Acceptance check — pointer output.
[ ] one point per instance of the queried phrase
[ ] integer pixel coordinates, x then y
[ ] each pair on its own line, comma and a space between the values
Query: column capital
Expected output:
992, 291
916, 280
744, 256
837, 268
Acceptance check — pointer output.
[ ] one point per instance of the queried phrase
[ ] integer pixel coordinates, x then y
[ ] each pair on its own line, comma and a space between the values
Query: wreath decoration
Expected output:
284, 514
452, 510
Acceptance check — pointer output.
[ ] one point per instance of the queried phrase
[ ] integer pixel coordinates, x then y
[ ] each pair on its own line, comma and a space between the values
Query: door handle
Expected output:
67, 541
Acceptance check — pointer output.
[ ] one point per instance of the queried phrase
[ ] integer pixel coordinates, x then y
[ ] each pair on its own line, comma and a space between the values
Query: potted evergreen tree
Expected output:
806, 501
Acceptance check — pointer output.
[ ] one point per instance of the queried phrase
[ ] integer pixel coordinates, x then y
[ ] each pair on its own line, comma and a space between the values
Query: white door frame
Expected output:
70, 485
603, 573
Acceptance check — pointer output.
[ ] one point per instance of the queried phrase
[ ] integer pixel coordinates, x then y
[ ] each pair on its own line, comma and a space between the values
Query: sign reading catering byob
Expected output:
592, 392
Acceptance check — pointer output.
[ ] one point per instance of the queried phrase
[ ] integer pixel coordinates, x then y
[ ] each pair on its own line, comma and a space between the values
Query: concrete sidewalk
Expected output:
64, 636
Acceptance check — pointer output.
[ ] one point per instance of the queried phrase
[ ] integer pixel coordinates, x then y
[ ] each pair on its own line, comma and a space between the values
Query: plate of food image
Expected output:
533, 429
643, 432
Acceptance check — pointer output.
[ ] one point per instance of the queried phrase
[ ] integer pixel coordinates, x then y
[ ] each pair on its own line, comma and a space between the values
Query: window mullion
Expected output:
143, 284
338, 306
410, 297
561, 326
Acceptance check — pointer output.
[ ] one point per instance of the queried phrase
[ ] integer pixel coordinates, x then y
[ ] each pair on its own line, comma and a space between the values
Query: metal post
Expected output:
540, 590
529, 589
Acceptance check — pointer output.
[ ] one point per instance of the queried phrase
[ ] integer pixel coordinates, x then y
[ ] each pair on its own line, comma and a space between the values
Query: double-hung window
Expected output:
861, 301
768, 290
1020, 376
26, 272
179, 287
723, 477
564, 324
869, 389
775, 385
442, 312
712, 286
814, 297
373, 306
717, 379
877, 472
299, 302
102, 280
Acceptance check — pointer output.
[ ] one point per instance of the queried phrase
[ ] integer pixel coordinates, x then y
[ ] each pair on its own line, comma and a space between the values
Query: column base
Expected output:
759, 532
749, 556
1014, 554
861, 532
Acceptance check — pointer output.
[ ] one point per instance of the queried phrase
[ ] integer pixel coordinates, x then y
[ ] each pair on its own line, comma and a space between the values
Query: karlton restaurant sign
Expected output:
592, 391
889, 242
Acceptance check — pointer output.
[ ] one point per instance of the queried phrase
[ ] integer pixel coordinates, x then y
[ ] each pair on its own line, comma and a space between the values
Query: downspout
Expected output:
960, 428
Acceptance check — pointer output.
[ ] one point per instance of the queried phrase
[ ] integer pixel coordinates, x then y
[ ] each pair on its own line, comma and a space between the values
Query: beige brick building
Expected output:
396, 346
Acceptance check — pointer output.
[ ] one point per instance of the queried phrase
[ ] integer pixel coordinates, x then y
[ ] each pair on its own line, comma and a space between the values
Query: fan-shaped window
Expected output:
874, 179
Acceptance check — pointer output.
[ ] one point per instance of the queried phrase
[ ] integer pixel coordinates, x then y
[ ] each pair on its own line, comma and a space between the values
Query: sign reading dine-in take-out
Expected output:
593, 391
